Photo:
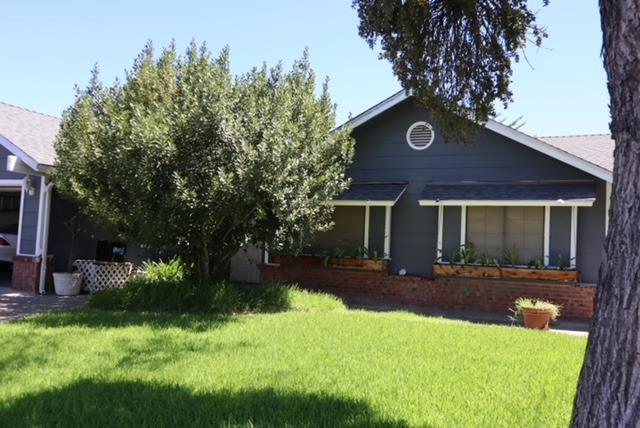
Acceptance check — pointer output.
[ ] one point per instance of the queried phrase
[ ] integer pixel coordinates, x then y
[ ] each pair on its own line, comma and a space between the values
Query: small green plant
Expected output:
511, 255
488, 260
453, 257
373, 255
173, 270
467, 254
563, 262
339, 253
532, 303
537, 263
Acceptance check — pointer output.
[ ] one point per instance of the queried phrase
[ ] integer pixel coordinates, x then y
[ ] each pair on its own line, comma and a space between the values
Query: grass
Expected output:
316, 365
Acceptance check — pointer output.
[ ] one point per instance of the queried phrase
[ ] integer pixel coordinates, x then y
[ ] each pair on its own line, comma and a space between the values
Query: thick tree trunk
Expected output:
609, 390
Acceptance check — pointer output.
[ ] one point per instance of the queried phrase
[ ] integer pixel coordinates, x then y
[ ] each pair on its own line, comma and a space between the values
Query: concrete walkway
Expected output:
574, 328
19, 304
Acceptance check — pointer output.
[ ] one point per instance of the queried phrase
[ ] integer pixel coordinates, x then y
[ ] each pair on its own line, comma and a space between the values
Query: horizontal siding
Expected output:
382, 154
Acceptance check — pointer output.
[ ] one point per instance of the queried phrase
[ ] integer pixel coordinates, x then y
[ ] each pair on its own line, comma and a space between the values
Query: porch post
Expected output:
440, 223
387, 231
366, 227
574, 236
547, 234
463, 226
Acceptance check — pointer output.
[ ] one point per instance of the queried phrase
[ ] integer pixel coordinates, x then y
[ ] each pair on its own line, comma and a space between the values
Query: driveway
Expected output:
18, 304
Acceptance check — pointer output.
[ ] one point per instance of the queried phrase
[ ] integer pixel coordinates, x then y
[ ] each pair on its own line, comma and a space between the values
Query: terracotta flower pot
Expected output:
536, 318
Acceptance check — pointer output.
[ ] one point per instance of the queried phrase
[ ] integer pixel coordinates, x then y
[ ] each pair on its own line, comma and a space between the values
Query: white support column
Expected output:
366, 227
463, 226
547, 234
387, 232
440, 231
607, 205
574, 236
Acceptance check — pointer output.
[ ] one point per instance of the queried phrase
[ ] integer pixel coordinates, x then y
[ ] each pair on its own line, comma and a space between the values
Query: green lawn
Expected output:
314, 368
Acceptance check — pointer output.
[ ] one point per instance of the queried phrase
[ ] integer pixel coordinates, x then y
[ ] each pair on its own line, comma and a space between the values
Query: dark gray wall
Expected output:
560, 234
348, 231
591, 225
376, 230
382, 154
30, 205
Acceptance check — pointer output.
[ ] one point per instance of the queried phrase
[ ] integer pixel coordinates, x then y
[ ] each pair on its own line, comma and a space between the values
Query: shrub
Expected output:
165, 288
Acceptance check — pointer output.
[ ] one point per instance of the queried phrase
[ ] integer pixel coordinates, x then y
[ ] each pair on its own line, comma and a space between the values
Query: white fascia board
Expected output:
354, 203
15, 164
549, 150
497, 127
374, 111
498, 203
19, 153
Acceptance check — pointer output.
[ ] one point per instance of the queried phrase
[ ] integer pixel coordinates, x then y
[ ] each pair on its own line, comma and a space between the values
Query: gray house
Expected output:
415, 199
33, 216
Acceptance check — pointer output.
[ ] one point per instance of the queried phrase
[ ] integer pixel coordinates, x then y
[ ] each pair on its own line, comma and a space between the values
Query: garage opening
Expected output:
9, 223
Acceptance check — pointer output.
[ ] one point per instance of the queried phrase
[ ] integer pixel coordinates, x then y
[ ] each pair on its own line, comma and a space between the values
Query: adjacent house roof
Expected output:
372, 193
594, 148
29, 135
587, 153
574, 192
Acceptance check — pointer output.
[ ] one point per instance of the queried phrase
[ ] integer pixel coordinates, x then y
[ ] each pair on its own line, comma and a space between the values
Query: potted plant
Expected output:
68, 283
536, 313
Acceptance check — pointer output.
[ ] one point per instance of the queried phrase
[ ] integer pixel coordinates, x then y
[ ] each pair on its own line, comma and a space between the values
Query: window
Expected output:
420, 135
492, 230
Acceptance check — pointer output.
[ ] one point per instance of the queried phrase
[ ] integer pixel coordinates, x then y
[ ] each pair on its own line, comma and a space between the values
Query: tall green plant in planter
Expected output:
184, 157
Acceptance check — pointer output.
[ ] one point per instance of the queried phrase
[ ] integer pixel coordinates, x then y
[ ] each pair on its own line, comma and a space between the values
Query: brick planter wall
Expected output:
26, 274
479, 294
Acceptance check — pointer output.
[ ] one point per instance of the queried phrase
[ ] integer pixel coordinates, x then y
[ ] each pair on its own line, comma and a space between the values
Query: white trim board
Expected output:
499, 128
498, 203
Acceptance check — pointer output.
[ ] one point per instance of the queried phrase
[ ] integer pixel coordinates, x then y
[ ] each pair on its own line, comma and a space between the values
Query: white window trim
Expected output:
415, 125
440, 231
20, 183
387, 232
367, 209
574, 237
547, 234
463, 226
519, 203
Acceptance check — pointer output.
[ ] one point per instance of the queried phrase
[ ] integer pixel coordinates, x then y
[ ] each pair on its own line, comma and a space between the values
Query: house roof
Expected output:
589, 153
556, 192
594, 148
371, 193
29, 135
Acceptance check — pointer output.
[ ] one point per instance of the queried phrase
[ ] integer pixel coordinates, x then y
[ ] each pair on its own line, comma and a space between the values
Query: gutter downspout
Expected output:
44, 242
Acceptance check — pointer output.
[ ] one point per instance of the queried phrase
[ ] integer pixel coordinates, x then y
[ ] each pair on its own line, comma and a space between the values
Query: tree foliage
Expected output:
186, 158
454, 55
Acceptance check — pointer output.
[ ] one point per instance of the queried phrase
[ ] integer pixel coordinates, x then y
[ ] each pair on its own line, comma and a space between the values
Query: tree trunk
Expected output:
609, 390
205, 265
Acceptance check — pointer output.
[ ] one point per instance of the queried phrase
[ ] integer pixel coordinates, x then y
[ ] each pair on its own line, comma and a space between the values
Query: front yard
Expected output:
316, 368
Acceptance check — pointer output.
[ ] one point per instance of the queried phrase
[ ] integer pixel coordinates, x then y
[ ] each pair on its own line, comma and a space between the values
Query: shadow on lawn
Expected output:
96, 318
127, 403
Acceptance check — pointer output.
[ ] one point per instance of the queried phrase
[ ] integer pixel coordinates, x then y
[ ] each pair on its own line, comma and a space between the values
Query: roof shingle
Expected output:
33, 133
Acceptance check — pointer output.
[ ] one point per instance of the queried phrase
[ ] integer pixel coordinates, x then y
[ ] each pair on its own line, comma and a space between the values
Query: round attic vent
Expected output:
420, 135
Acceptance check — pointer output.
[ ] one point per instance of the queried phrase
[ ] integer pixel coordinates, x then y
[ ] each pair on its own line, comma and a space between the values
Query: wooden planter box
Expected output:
541, 274
467, 271
504, 272
359, 264
297, 260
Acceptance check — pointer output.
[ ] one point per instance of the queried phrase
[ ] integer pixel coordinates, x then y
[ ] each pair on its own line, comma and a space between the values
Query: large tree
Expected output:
456, 57
186, 158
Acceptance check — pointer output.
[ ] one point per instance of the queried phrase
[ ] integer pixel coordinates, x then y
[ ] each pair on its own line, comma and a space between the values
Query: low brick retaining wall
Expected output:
479, 294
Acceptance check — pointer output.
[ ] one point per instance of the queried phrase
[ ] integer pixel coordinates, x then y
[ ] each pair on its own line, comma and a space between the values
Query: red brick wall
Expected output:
26, 274
479, 294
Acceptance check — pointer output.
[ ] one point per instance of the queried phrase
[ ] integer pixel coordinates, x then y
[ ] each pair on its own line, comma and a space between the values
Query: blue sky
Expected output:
48, 46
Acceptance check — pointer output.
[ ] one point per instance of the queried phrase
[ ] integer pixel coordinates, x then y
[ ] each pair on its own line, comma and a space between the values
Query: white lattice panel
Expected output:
102, 275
